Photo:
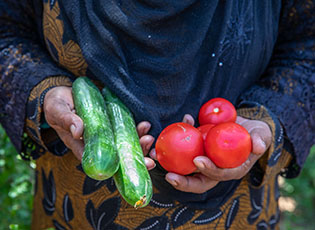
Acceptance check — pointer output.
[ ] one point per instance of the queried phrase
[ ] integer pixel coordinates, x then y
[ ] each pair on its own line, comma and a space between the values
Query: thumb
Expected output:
73, 123
260, 134
261, 140
59, 115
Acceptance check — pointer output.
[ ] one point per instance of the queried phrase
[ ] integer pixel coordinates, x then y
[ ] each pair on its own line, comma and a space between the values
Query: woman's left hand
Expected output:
208, 174
146, 142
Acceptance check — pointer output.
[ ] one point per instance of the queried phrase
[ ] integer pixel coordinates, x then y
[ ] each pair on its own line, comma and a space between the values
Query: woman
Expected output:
163, 60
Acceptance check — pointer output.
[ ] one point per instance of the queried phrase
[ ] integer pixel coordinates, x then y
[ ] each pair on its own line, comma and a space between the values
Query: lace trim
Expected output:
287, 88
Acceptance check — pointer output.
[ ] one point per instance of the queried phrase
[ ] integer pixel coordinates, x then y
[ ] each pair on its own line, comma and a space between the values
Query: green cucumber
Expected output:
132, 178
100, 159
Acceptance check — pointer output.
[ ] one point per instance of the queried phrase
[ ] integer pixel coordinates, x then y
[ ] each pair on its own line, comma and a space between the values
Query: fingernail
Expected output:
153, 166
145, 128
148, 146
147, 125
263, 144
153, 154
150, 163
200, 165
172, 181
72, 129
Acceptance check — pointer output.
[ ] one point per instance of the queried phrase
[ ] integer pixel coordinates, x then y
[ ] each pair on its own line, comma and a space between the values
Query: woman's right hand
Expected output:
60, 115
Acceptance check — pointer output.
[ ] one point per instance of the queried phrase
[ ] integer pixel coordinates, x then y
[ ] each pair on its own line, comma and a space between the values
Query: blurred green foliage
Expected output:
16, 187
302, 190
17, 180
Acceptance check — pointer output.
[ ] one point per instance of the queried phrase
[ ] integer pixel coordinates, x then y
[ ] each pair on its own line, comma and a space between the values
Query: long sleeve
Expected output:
287, 87
40, 136
23, 64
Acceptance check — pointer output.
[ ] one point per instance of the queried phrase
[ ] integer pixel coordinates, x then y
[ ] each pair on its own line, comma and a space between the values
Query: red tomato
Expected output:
228, 145
177, 146
217, 110
204, 129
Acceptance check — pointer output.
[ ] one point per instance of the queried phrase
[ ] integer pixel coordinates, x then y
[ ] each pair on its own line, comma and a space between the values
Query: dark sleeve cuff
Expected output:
278, 156
39, 137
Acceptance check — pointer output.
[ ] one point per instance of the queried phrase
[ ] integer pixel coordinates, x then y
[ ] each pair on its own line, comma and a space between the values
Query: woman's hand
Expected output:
146, 142
60, 115
208, 174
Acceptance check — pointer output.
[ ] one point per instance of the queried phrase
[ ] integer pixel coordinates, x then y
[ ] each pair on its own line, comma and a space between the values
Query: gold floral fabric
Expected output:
65, 198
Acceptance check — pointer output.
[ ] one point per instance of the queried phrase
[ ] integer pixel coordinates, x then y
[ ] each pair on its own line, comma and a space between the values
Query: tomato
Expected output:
177, 146
228, 145
204, 129
217, 110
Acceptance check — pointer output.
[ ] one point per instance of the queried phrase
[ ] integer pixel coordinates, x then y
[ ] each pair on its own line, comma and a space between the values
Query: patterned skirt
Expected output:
65, 198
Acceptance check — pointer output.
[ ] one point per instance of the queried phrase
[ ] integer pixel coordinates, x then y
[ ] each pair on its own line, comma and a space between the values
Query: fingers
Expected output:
210, 174
149, 163
58, 110
186, 119
209, 169
146, 142
195, 184
260, 134
76, 146
259, 145
153, 154
60, 115
189, 119
143, 128
71, 122
261, 139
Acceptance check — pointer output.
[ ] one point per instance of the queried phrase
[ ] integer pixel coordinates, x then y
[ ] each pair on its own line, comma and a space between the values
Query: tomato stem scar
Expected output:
188, 138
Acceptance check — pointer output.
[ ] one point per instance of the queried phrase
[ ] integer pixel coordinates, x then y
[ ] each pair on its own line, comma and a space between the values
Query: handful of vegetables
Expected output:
112, 147
219, 137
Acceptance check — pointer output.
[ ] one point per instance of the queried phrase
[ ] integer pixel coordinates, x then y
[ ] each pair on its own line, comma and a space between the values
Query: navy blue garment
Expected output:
24, 62
166, 58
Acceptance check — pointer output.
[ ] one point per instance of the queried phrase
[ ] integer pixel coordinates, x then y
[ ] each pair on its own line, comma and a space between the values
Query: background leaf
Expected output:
302, 190
16, 187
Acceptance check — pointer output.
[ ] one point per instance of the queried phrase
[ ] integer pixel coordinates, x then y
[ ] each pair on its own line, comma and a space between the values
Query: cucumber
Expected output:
100, 159
132, 178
